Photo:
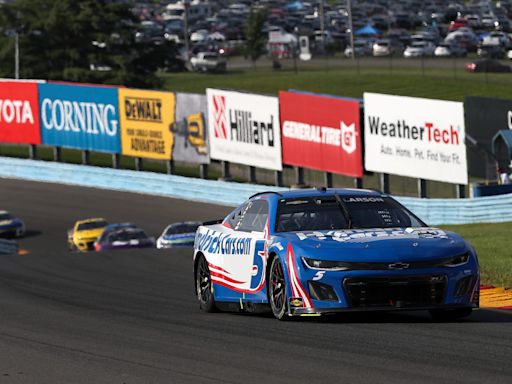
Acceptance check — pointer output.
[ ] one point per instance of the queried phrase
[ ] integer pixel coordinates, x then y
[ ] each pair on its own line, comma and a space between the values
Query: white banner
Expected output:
420, 138
244, 128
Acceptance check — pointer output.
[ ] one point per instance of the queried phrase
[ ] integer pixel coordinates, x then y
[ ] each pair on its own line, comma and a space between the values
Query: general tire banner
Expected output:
321, 132
146, 123
191, 129
415, 137
80, 117
244, 128
19, 113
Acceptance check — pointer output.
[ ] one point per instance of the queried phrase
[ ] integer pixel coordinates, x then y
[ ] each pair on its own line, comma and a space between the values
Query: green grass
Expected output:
492, 243
435, 83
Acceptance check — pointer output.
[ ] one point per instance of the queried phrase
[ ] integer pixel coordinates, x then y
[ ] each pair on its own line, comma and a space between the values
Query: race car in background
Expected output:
11, 226
123, 236
84, 233
178, 235
311, 252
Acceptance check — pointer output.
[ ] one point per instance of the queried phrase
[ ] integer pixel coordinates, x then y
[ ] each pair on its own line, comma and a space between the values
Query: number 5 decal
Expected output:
318, 275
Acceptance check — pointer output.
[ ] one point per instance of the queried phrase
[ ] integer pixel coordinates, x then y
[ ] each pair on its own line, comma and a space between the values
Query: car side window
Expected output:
255, 217
236, 216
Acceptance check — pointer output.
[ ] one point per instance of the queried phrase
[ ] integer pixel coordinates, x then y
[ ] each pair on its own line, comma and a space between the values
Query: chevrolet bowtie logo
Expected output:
398, 266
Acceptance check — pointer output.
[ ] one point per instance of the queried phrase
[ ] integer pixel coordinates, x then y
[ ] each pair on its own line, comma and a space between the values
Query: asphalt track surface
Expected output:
132, 317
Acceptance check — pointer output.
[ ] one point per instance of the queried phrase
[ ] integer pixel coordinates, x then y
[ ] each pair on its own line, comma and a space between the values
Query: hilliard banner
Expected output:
190, 129
78, 116
415, 137
321, 132
19, 113
244, 128
146, 123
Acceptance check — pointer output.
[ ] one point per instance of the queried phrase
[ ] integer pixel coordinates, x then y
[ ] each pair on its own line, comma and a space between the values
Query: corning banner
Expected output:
321, 132
146, 123
244, 128
19, 113
81, 117
190, 129
415, 137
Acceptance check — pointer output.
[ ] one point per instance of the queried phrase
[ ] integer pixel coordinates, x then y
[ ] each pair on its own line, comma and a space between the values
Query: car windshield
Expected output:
127, 235
182, 228
5, 216
328, 212
91, 225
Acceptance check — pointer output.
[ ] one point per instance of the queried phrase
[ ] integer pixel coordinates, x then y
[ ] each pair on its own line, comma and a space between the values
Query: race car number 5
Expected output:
318, 275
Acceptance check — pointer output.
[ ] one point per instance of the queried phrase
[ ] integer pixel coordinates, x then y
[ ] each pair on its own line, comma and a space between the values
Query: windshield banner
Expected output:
415, 137
19, 113
321, 132
80, 117
244, 128
146, 123
190, 129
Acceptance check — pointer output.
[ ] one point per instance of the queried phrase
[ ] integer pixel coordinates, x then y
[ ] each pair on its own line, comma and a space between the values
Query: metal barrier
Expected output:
433, 211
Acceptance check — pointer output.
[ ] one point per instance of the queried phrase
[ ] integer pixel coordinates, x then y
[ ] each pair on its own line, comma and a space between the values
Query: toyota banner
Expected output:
244, 128
415, 137
321, 132
19, 113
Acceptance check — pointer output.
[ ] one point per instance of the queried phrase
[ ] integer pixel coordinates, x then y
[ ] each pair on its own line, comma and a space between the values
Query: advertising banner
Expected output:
146, 123
415, 137
80, 117
19, 113
484, 118
244, 128
190, 129
321, 132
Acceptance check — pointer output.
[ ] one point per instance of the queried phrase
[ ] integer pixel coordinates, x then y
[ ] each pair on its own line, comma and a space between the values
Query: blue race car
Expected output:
10, 226
312, 252
178, 235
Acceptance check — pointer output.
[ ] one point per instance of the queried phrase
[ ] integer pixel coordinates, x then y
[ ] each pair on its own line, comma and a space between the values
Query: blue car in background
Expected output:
178, 235
10, 226
313, 252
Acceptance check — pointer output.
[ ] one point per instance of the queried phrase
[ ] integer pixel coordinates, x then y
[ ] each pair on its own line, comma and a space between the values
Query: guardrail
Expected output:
433, 211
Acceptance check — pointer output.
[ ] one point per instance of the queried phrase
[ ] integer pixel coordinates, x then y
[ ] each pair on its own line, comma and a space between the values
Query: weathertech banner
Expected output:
190, 129
415, 137
146, 123
80, 117
321, 132
244, 128
19, 113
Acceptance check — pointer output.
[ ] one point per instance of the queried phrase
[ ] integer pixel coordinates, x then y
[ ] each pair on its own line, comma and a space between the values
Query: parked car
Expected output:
420, 49
123, 236
178, 234
491, 51
361, 48
487, 65
385, 47
208, 62
84, 234
450, 49
11, 226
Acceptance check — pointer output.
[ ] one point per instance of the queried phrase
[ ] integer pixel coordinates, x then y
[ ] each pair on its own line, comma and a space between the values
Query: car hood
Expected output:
395, 244
10, 222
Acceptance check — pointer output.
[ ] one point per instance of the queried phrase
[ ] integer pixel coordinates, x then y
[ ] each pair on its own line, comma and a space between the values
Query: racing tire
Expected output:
450, 314
276, 289
204, 286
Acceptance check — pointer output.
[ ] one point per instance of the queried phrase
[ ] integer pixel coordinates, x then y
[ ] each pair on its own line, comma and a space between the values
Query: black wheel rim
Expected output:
277, 287
204, 291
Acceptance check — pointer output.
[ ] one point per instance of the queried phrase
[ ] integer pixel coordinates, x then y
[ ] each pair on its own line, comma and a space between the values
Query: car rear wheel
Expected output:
204, 286
450, 314
277, 290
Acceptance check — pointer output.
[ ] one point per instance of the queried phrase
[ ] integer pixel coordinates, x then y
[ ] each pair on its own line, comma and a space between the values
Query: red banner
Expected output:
19, 113
321, 132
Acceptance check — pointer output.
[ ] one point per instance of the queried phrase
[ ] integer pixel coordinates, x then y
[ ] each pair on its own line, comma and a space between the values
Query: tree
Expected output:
254, 36
86, 41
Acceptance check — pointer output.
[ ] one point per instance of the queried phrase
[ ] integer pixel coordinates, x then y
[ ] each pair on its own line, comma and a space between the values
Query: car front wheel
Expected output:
204, 286
277, 290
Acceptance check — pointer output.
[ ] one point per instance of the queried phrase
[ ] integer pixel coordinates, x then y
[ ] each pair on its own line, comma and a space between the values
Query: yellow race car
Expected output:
84, 233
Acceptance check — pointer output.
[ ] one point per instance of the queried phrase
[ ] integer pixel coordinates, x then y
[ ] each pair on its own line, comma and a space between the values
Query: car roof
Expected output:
120, 226
93, 219
298, 193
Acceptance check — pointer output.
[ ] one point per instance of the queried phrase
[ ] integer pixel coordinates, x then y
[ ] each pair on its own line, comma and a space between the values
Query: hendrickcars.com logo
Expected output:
427, 132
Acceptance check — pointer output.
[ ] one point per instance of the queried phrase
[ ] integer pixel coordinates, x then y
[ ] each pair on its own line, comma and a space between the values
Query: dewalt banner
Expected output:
146, 120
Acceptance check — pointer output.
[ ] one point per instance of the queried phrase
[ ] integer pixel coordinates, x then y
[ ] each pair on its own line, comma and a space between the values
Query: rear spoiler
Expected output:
213, 222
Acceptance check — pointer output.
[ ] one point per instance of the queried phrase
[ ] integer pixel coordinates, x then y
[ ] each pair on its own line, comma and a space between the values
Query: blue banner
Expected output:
80, 117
